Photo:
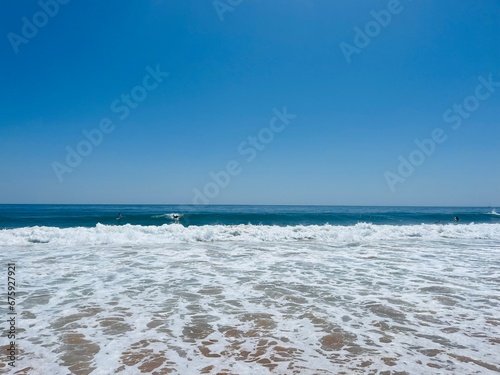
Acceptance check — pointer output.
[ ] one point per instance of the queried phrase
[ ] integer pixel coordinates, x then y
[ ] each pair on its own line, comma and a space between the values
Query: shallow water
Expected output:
367, 299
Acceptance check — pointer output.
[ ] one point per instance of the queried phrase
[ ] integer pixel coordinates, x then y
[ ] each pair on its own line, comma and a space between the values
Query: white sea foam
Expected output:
176, 233
249, 299
173, 216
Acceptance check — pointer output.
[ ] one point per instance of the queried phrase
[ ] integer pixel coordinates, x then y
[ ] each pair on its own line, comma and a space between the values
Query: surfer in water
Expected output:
456, 218
119, 217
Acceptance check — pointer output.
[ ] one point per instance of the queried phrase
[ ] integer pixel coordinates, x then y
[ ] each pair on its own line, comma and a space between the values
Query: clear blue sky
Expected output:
354, 119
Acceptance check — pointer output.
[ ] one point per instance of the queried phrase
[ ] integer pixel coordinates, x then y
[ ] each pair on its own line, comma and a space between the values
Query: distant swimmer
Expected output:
119, 217
175, 216
456, 218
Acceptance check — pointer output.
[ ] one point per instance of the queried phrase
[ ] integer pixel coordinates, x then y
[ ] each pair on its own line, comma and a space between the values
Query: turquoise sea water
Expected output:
65, 216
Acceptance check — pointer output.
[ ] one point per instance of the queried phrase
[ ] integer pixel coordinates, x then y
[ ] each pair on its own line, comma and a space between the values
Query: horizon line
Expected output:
237, 204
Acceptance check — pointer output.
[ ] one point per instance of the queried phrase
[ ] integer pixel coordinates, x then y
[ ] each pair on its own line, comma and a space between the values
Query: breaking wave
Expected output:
363, 233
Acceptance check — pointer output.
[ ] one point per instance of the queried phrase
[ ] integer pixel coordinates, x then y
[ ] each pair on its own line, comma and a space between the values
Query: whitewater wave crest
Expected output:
172, 216
362, 233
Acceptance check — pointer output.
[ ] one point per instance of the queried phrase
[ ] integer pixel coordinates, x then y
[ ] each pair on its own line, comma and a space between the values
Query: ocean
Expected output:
172, 289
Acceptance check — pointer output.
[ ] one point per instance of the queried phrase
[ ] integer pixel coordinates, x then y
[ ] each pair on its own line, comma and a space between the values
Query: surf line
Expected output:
248, 149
